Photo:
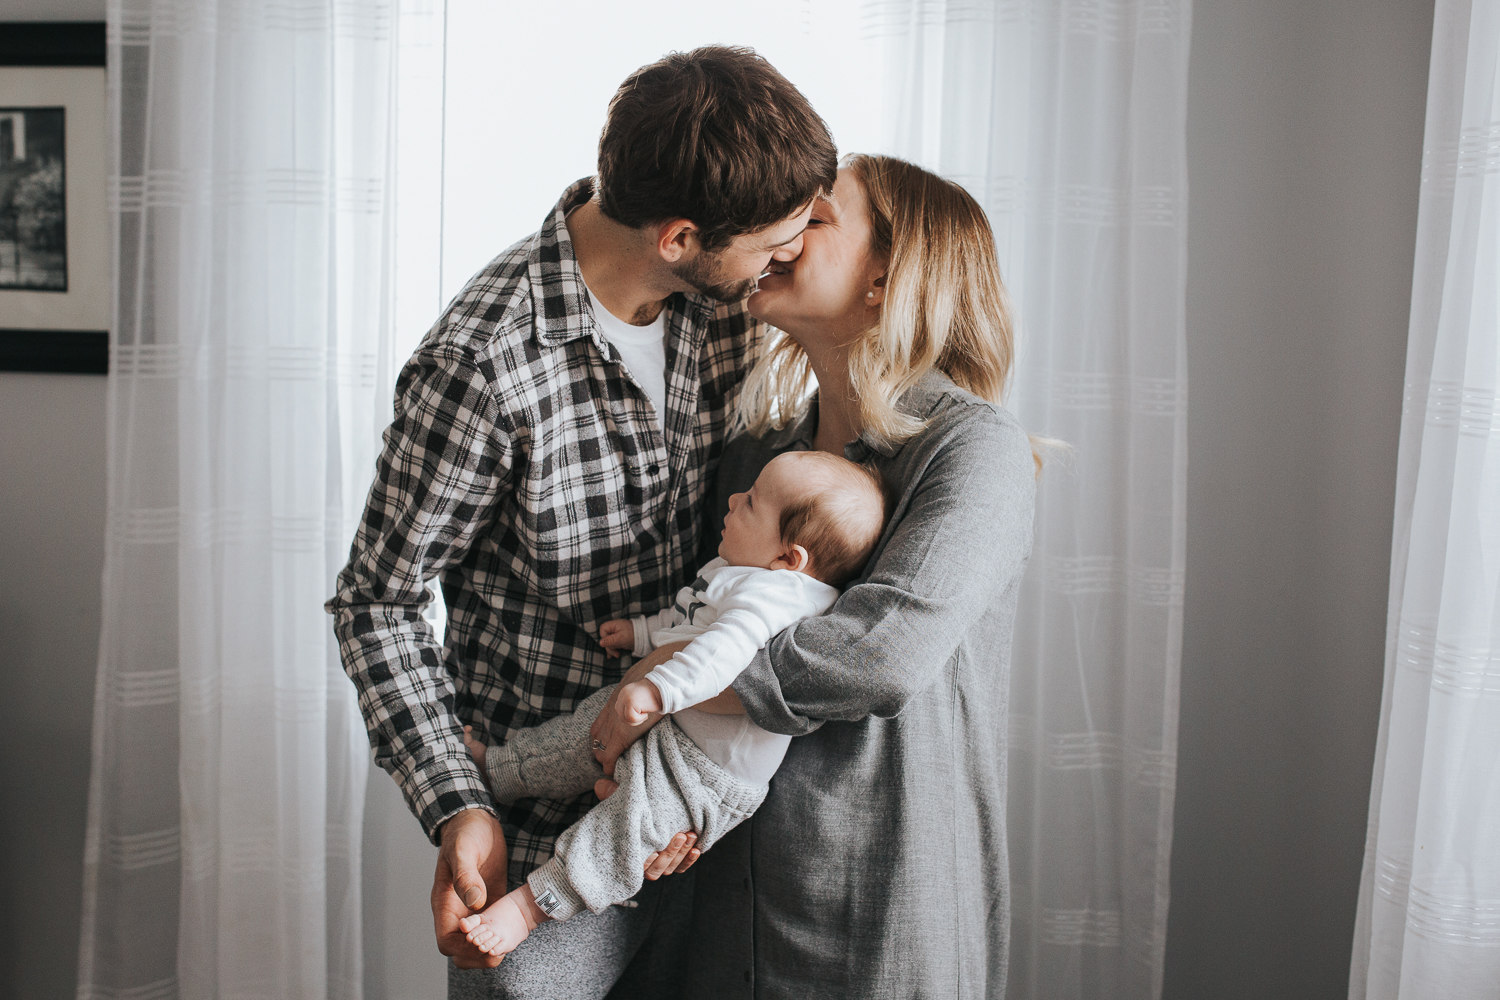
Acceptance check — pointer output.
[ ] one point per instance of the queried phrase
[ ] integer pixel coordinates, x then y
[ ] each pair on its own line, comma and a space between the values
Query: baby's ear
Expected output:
794, 558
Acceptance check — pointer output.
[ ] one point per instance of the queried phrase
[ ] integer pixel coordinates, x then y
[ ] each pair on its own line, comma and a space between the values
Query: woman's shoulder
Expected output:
958, 419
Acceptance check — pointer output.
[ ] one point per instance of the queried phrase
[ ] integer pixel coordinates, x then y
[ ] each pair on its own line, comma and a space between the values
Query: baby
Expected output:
805, 528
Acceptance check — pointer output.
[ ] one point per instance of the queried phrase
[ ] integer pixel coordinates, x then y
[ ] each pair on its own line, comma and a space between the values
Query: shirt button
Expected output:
652, 470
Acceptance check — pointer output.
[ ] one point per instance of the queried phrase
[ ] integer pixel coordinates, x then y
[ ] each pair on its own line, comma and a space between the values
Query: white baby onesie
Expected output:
727, 614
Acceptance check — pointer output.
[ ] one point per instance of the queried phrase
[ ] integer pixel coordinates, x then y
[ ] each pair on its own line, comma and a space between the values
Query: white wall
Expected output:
1304, 151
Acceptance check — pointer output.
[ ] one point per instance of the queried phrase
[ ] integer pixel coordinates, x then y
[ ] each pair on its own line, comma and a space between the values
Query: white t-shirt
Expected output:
642, 348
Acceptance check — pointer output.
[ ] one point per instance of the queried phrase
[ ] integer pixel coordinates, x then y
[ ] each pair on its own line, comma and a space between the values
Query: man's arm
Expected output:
439, 477
443, 469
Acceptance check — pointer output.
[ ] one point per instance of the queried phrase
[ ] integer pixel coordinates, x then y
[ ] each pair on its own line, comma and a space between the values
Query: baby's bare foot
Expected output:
499, 929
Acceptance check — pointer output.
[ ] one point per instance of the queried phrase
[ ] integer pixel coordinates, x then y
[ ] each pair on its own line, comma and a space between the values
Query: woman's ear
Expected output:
875, 294
794, 558
673, 239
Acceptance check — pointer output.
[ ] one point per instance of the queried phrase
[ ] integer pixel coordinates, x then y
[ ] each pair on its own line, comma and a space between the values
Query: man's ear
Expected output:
794, 558
674, 238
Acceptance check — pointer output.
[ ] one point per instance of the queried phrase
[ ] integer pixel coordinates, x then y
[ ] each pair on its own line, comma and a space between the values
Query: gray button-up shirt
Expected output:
877, 866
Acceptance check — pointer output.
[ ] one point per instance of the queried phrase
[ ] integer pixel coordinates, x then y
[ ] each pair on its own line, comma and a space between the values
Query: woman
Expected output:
877, 866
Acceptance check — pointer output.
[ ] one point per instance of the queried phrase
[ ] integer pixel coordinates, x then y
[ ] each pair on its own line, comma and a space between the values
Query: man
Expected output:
554, 437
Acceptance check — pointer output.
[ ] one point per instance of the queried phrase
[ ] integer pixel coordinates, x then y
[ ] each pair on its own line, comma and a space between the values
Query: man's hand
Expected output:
470, 869
609, 729
617, 637
637, 701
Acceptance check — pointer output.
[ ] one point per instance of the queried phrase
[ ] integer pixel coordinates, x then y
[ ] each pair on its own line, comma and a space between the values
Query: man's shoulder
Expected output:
490, 329
493, 309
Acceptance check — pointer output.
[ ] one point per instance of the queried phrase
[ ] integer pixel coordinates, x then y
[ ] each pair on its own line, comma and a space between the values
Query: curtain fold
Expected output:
1067, 121
1428, 923
252, 185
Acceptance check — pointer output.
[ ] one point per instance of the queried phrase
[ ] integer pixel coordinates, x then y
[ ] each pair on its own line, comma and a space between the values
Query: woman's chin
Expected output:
757, 303
764, 302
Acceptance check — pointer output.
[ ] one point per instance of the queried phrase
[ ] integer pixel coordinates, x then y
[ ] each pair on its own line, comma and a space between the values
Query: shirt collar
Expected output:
561, 301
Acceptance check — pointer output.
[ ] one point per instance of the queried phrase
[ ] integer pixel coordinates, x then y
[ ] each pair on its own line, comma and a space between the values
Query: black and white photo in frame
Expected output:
54, 223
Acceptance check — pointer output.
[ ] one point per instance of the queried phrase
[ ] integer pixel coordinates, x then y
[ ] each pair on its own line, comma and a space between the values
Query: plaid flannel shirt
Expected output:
525, 470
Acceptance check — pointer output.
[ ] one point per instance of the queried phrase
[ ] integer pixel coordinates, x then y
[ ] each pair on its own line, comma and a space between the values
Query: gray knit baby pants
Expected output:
667, 785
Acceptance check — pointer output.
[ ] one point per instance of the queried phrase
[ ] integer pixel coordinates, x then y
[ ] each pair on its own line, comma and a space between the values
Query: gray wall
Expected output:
1304, 142
51, 559
1304, 153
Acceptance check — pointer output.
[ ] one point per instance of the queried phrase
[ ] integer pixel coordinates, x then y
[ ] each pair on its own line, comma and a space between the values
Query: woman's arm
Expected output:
965, 533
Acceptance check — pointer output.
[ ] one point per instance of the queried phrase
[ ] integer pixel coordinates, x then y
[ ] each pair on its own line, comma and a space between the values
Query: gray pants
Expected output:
632, 952
667, 785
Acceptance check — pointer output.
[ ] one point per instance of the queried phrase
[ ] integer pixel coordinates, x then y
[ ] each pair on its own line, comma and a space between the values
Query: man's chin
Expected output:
729, 292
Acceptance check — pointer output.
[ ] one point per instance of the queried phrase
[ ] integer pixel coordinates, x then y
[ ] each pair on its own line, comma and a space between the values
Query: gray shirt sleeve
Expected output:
961, 531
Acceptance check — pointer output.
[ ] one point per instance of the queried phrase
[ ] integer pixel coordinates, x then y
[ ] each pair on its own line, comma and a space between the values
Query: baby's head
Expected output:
808, 511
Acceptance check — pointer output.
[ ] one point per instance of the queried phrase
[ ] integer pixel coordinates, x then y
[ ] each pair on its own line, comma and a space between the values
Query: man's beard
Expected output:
704, 274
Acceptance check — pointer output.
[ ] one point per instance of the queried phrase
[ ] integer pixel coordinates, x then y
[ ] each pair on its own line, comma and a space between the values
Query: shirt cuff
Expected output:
759, 690
642, 640
663, 689
443, 788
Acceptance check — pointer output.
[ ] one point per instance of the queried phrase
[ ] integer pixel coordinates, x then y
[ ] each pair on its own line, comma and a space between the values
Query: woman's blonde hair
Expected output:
945, 307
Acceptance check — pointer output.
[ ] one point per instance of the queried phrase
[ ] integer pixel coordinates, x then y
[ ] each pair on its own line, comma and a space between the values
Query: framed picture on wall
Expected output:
54, 222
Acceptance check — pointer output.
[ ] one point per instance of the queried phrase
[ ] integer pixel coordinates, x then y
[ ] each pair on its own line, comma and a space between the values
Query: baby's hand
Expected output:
476, 748
617, 636
637, 701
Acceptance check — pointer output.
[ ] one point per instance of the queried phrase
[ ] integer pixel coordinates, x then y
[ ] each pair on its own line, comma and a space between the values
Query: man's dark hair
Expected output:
715, 135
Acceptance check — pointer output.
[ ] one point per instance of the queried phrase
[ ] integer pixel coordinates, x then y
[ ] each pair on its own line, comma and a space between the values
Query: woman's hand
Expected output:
609, 729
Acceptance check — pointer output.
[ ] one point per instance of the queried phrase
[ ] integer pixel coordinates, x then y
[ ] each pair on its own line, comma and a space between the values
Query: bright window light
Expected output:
527, 86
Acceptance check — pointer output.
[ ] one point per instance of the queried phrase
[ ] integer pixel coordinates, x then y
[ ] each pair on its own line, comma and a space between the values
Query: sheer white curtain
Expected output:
253, 155
1066, 119
1429, 906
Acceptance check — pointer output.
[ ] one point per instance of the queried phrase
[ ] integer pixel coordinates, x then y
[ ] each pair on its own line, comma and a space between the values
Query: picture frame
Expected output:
54, 216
